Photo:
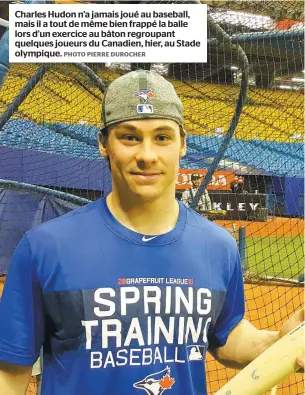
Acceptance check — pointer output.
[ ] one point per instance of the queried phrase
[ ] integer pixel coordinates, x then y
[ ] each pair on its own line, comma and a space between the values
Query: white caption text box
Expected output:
147, 33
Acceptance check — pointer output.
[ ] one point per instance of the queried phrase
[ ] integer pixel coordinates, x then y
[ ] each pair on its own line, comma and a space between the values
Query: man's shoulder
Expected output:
69, 220
210, 230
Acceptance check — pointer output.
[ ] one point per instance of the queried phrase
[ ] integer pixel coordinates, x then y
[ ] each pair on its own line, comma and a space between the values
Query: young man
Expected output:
204, 203
128, 293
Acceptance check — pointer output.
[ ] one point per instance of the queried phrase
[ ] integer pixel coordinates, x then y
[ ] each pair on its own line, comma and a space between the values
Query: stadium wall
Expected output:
55, 170
20, 211
294, 197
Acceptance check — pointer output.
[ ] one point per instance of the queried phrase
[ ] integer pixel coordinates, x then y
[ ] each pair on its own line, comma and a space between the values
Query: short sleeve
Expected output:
233, 309
21, 314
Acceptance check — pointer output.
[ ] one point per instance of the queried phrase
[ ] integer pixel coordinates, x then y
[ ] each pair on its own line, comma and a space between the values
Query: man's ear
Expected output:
183, 147
102, 145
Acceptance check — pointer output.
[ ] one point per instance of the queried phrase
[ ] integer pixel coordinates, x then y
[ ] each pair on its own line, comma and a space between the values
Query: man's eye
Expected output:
162, 137
130, 137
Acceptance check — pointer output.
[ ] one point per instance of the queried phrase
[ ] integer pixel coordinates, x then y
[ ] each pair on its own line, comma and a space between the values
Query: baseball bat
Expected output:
270, 367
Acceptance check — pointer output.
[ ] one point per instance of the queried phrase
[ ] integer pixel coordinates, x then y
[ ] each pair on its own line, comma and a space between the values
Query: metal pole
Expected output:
242, 246
4, 23
22, 95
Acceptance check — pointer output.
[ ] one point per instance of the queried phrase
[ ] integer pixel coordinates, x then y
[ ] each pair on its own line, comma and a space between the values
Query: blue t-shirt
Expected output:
118, 312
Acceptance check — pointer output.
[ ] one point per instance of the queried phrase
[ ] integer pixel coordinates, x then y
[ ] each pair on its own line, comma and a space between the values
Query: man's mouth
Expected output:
146, 176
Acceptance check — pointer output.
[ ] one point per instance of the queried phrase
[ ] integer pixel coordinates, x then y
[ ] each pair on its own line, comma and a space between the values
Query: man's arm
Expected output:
14, 379
22, 321
244, 344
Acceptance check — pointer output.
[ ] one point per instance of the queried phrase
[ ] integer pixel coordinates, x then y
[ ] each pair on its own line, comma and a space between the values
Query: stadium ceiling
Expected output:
278, 10
272, 35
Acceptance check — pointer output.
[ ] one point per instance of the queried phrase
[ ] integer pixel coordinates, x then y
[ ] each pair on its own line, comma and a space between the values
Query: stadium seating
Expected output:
81, 141
64, 112
57, 99
28, 135
267, 115
263, 157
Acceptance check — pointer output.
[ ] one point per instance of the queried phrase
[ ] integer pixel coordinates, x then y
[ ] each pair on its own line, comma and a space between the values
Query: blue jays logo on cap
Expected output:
145, 94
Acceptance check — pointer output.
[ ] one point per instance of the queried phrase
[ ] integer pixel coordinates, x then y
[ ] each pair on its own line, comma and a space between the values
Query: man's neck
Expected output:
154, 217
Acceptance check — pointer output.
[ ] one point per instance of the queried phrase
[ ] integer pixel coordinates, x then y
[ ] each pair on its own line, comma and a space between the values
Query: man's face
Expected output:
144, 156
196, 182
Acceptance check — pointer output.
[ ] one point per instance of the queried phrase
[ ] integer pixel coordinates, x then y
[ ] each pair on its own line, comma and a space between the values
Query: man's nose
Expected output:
147, 153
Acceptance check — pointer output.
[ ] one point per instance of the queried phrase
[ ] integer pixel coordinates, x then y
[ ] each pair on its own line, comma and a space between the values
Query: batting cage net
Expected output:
244, 122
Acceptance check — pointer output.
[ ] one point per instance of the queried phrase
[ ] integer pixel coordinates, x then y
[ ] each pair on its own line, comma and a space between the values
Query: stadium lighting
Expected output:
296, 137
252, 21
295, 79
285, 86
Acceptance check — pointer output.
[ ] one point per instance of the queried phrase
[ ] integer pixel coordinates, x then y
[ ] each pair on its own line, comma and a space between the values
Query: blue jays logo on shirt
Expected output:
156, 383
145, 94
